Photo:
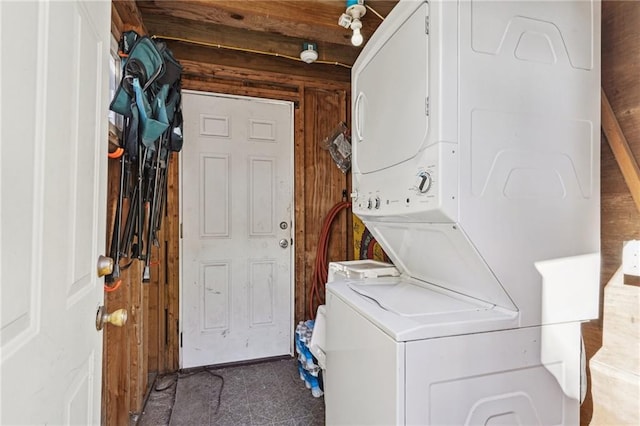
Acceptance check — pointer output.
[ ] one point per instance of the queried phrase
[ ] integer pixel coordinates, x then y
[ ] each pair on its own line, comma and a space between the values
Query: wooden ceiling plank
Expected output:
383, 7
188, 53
116, 22
129, 15
174, 27
212, 71
278, 17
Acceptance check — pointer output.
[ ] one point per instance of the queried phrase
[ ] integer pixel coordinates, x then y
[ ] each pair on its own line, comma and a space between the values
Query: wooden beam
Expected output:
216, 71
116, 22
309, 20
129, 15
299, 179
137, 312
207, 33
259, 65
620, 147
235, 88
383, 7
172, 284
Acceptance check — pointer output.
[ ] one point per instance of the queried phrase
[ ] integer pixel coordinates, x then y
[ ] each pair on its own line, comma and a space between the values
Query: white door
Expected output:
53, 110
237, 222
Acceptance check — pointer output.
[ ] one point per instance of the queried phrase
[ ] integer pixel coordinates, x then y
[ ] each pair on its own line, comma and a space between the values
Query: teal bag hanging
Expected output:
151, 128
146, 64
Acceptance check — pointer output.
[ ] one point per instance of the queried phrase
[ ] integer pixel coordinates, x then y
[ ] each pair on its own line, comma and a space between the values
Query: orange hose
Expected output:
316, 292
117, 153
109, 289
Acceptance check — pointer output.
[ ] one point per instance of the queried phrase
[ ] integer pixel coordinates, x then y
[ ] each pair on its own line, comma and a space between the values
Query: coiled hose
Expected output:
316, 292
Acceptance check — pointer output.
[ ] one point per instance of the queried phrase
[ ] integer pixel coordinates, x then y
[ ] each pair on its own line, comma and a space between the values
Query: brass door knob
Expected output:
117, 318
105, 266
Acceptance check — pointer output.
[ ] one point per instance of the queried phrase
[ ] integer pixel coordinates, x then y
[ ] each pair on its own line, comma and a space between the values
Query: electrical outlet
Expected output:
631, 258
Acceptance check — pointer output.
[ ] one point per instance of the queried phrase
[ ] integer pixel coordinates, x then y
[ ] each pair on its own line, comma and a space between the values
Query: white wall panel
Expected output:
214, 206
262, 196
216, 295
79, 397
214, 126
21, 159
261, 293
263, 130
84, 145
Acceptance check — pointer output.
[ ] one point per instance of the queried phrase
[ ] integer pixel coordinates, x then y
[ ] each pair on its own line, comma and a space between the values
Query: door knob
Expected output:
117, 318
284, 243
105, 266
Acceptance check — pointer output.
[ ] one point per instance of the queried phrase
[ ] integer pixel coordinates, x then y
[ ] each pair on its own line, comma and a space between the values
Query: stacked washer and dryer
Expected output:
476, 158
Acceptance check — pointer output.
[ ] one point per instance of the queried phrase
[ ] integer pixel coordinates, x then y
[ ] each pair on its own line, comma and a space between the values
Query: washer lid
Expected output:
443, 255
409, 300
407, 310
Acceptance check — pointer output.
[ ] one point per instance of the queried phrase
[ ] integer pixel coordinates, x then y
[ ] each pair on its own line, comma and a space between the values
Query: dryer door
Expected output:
391, 91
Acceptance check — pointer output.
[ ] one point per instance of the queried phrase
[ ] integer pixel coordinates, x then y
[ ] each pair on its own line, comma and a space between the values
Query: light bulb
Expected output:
356, 38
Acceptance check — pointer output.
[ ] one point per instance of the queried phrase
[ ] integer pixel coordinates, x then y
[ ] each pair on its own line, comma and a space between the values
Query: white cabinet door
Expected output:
53, 103
237, 215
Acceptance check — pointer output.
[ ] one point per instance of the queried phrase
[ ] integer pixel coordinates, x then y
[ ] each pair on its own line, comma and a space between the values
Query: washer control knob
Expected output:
423, 183
377, 203
369, 204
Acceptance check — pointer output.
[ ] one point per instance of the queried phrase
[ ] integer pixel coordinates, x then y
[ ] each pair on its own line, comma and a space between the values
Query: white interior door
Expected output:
53, 111
237, 222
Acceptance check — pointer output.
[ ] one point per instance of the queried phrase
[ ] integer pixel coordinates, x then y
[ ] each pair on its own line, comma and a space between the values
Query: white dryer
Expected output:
476, 150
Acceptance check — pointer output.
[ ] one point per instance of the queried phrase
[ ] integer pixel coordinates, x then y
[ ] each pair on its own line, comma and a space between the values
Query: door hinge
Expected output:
180, 230
426, 25
426, 106
180, 339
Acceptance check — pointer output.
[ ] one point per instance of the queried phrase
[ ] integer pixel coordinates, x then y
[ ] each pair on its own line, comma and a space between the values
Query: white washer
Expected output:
400, 353
476, 167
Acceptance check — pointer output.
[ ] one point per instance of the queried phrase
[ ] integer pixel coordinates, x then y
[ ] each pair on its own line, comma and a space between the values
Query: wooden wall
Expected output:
148, 344
621, 83
620, 220
125, 349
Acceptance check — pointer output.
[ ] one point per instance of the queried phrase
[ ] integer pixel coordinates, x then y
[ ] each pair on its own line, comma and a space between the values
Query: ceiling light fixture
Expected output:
351, 19
309, 52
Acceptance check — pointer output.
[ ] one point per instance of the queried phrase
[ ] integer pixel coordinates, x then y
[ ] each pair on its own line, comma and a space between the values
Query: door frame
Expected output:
292, 260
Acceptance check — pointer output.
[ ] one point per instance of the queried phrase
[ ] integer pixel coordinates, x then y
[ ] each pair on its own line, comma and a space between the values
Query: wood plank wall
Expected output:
148, 344
620, 220
621, 83
141, 348
124, 373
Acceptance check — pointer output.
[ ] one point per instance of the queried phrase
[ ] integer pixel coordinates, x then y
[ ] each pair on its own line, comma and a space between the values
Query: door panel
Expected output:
53, 105
236, 190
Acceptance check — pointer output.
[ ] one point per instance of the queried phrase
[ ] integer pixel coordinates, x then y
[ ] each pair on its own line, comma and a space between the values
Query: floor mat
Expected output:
269, 393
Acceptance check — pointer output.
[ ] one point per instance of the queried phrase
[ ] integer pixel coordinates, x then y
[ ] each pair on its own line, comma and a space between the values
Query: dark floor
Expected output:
267, 393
